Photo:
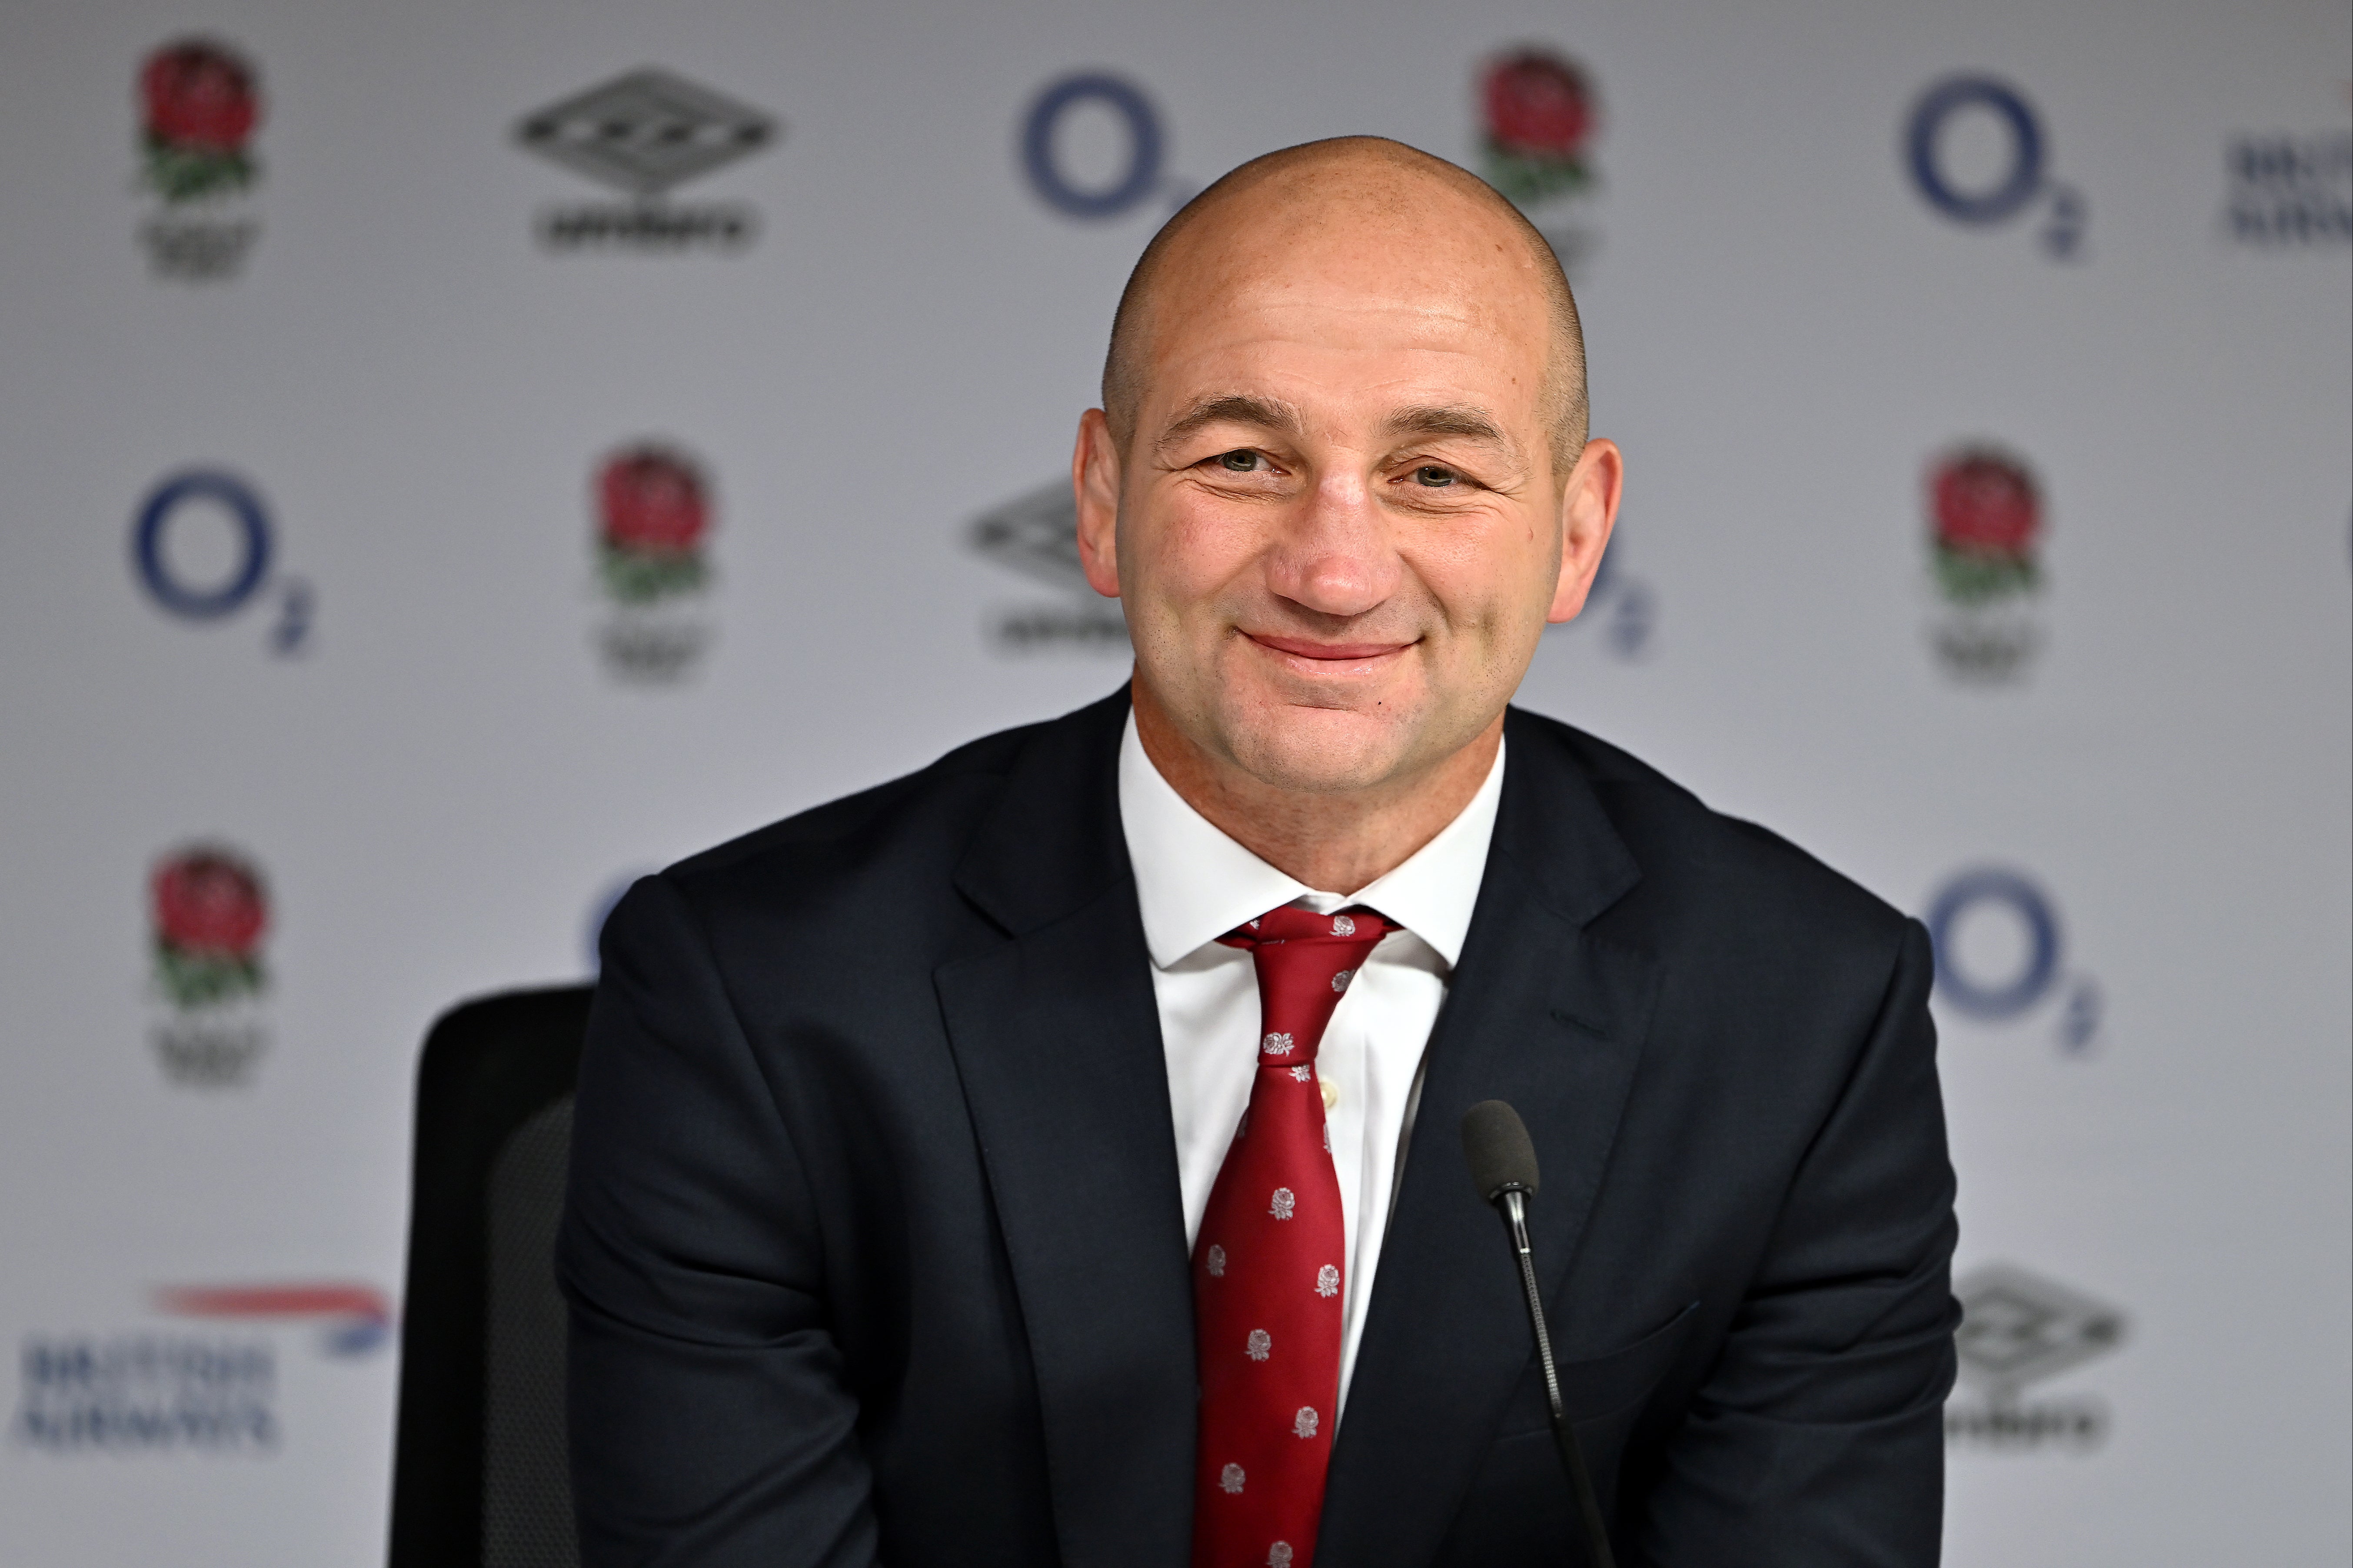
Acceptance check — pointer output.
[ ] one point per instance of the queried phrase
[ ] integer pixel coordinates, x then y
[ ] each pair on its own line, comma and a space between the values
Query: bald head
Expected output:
1340, 483
1352, 191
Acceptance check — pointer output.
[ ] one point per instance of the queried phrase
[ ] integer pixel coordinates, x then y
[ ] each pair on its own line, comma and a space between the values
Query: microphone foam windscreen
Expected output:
1495, 1142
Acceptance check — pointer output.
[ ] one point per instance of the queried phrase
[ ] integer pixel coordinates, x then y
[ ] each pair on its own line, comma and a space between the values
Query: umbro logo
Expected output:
1037, 535
643, 133
2018, 1329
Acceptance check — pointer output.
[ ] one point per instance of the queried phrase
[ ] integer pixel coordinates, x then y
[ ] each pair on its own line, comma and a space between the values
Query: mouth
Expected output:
1308, 657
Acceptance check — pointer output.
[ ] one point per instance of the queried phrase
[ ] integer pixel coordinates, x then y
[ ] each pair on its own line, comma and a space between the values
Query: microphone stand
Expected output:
1514, 1204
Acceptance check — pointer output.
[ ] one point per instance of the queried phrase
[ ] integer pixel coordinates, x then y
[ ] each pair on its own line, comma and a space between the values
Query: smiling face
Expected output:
1335, 517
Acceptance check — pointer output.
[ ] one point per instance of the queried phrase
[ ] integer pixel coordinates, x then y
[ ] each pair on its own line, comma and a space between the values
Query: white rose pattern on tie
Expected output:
1254, 1267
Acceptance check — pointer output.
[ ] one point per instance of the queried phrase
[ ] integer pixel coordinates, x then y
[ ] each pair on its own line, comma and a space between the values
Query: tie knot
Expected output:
1305, 961
1289, 925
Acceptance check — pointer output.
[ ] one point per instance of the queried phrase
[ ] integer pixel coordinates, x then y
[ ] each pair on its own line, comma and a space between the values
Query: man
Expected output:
1051, 1157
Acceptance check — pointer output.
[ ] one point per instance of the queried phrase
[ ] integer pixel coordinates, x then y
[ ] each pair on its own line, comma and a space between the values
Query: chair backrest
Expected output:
481, 1469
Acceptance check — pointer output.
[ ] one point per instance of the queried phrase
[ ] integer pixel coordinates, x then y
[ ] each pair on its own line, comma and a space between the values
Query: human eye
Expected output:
1241, 461
1436, 477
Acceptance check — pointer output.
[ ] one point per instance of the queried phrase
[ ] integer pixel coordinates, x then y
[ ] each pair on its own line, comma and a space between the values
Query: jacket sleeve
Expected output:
711, 1421
1816, 1440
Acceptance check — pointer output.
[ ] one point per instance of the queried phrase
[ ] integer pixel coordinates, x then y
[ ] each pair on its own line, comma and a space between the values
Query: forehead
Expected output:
1414, 291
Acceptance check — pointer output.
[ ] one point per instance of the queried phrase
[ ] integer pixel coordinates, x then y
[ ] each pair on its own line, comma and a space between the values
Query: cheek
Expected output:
1487, 578
1192, 550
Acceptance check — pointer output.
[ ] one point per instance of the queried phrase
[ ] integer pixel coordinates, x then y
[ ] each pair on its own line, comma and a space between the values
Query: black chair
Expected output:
481, 1470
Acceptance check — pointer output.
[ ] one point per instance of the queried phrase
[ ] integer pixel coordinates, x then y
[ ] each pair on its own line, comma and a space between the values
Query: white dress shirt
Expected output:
1195, 884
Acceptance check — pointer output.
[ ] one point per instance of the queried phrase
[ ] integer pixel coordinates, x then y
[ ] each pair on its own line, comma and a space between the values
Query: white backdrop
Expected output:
2122, 261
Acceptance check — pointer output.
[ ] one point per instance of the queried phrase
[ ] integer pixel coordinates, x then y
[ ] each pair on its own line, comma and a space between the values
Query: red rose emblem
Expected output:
199, 98
650, 501
208, 903
1538, 105
1985, 504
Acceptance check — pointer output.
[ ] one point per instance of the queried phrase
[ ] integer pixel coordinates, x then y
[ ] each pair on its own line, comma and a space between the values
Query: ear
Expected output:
1095, 479
1589, 510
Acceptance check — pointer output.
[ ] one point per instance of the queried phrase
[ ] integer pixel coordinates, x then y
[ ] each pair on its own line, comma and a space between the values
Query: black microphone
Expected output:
1504, 1164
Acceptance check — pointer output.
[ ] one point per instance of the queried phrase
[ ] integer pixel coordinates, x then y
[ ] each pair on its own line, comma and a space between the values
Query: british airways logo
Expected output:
352, 1319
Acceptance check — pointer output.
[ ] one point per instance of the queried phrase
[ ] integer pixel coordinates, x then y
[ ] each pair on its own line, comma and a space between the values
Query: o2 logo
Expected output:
1983, 192
202, 548
1999, 955
1135, 177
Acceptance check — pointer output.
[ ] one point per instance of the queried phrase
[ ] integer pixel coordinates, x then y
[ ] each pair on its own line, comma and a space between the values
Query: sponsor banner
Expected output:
644, 133
1036, 535
2019, 1329
199, 106
209, 910
653, 513
311, 348
2000, 956
146, 1393
1539, 115
1986, 525
204, 552
209, 1391
1092, 147
2288, 190
351, 1319
1979, 155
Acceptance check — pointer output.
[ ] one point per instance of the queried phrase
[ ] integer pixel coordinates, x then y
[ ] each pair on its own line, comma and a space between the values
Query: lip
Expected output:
1327, 655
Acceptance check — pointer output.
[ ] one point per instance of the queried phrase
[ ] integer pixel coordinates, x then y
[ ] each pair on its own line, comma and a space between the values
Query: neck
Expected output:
1335, 841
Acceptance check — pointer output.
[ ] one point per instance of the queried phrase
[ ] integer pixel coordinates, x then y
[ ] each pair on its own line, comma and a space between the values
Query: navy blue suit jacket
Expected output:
875, 1250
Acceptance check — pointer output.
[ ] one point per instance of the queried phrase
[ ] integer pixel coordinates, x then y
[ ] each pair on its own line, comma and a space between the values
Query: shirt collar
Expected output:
1194, 884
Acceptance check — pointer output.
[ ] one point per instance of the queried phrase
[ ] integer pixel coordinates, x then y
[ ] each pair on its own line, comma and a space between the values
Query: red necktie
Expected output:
1267, 1264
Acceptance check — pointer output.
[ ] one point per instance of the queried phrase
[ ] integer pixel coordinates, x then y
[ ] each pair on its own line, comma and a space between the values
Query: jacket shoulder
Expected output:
954, 786
1686, 848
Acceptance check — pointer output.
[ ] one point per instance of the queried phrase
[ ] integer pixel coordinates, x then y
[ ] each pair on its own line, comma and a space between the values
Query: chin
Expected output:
1316, 750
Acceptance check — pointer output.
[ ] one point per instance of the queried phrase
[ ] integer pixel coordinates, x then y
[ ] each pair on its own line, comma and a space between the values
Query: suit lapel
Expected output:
1057, 1039
1541, 1013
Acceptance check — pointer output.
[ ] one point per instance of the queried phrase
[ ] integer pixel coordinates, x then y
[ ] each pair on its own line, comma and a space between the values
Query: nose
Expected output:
1334, 556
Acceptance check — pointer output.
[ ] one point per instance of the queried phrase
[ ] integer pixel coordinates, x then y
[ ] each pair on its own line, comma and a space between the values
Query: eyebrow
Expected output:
1232, 409
1241, 408
1471, 424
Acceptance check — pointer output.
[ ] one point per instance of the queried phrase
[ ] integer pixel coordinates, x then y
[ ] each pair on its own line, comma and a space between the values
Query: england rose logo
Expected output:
1985, 521
653, 516
652, 511
210, 913
1985, 534
1538, 109
200, 103
208, 909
